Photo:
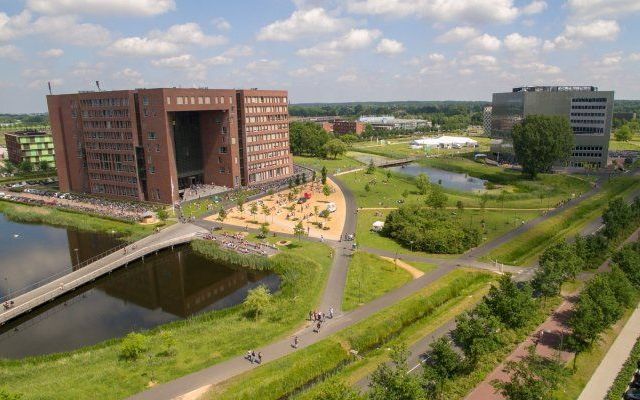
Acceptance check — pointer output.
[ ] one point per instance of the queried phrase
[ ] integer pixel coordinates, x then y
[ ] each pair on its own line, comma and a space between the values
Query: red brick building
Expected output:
150, 144
348, 127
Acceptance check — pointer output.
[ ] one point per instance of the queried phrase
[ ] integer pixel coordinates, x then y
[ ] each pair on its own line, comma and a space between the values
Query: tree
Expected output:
512, 305
371, 168
253, 209
393, 381
478, 332
264, 230
335, 147
623, 134
437, 198
348, 139
298, 230
367, 187
532, 378
621, 286
25, 166
460, 205
628, 259
405, 194
43, 166
334, 389
323, 175
422, 183
9, 167
483, 200
258, 301
162, 214
133, 346
539, 141
222, 214
558, 264
265, 211
444, 360
326, 190
240, 202
616, 217
307, 138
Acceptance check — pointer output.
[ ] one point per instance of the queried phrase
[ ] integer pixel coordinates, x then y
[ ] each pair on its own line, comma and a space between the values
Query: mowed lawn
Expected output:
402, 149
334, 165
526, 247
370, 277
633, 144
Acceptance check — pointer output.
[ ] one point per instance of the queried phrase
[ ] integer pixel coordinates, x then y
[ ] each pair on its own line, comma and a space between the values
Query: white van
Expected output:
331, 207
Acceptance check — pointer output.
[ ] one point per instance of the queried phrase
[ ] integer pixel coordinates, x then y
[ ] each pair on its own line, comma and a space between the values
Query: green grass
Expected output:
342, 163
526, 247
422, 266
497, 223
82, 221
288, 375
402, 150
370, 277
588, 361
633, 144
200, 341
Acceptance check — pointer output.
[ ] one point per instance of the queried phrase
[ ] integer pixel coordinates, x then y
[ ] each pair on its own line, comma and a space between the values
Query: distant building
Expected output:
327, 126
30, 145
625, 116
152, 144
486, 120
589, 112
390, 122
348, 127
443, 142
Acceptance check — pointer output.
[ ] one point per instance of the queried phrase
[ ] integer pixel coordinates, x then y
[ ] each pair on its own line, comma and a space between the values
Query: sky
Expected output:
318, 50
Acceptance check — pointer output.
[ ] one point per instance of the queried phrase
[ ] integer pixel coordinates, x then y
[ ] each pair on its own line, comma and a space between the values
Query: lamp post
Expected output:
77, 256
411, 244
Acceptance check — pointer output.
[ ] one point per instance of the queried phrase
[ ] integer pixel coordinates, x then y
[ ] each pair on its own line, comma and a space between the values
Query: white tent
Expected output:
445, 142
377, 226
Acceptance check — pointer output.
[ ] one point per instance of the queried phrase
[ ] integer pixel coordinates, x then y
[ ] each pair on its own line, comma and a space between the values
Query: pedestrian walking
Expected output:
295, 342
321, 239
253, 356
318, 327
331, 312
248, 357
259, 357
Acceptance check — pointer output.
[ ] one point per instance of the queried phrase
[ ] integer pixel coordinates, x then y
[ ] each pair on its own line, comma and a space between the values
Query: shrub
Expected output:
133, 346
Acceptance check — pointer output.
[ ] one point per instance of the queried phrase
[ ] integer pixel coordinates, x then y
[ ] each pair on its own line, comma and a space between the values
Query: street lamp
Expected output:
77, 256
411, 244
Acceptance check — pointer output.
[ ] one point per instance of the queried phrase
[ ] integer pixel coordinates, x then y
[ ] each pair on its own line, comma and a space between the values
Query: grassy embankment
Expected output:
526, 247
341, 163
369, 277
82, 221
97, 372
633, 144
401, 149
288, 375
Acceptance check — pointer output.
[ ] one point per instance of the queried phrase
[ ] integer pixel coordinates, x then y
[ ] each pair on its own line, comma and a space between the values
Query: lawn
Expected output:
370, 277
497, 223
97, 372
526, 247
285, 376
86, 222
334, 165
633, 144
396, 149
423, 266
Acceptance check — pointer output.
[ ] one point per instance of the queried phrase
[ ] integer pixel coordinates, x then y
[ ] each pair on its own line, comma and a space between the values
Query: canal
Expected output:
169, 286
448, 179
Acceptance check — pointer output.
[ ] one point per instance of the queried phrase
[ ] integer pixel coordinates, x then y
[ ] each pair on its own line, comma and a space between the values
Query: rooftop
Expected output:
555, 89
29, 132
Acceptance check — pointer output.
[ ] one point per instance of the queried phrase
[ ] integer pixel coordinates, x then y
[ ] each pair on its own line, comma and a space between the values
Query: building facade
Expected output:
348, 127
390, 122
151, 144
589, 112
30, 145
486, 120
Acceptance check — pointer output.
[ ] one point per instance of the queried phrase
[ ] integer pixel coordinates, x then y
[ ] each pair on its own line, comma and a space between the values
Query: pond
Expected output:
448, 179
168, 286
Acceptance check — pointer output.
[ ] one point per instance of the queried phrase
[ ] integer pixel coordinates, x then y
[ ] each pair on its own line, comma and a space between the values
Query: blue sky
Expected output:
319, 50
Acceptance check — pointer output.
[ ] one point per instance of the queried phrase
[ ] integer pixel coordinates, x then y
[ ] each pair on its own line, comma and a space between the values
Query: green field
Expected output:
342, 163
370, 277
97, 372
526, 247
633, 144
401, 149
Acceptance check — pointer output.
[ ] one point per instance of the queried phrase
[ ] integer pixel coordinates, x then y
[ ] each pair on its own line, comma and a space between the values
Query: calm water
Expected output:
451, 180
169, 286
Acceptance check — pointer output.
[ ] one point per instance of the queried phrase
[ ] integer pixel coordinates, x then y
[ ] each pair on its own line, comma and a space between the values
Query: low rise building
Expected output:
390, 122
33, 146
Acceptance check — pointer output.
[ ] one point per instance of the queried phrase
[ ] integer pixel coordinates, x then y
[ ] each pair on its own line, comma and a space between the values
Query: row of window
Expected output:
107, 166
180, 100
109, 146
267, 109
106, 124
114, 190
587, 114
589, 100
270, 174
589, 148
108, 157
262, 156
587, 154
266, 146
260, 128
264, 99
114, 178
268, 136
266, 164
124, 113
588, 121
111, 102
109, 135
588, 107
266, 118
586, 130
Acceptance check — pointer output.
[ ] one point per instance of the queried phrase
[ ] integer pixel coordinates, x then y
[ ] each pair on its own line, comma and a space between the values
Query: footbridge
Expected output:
42, 292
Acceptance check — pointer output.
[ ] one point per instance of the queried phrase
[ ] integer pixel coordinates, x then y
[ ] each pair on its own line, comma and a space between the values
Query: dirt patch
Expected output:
415, 272
283, 243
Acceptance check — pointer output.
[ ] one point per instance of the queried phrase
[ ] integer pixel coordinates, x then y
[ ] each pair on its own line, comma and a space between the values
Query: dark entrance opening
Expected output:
188, 148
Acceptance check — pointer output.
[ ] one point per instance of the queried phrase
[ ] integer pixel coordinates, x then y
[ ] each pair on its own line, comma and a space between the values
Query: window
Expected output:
221, 170
179, 100
168, 99
145, 101
223, 150
158, 148
193, 100
152, 169
157, 194
207, 100
151, 136
200, 100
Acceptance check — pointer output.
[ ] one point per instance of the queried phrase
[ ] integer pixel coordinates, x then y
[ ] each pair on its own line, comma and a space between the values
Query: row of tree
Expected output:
625, 132
26, 167
309, 139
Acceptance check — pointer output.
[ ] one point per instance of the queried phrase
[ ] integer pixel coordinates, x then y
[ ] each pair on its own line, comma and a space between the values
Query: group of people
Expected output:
254, 357
8, 304
319, 317
238, 243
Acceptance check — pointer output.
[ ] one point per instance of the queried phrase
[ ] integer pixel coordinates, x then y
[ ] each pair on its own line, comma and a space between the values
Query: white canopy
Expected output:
445, 141
378, 225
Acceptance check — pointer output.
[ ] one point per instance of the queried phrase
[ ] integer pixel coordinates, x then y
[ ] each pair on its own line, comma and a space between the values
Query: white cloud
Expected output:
185, 62
348, 77
634, 57
561, 43
51, 53
189, 33
310, 22
535, 7
239, 51
142, 8
610, 60
574, 34
436, 57
218, 60
42, 83
519, 44
355, 39
263, 65
481, 60
85, 69
465, 71
476, 11
312, 70
485, 43
14, 26
221, 24
130, 76
389, 47
457, 34
142, 47
35, 73
543, 68
603, 8
10, 52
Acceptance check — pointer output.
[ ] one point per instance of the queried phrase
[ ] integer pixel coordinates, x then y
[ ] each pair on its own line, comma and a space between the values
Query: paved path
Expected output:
611, 364
173, 235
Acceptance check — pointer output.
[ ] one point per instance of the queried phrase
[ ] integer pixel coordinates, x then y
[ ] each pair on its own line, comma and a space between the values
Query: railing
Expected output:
64, 287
